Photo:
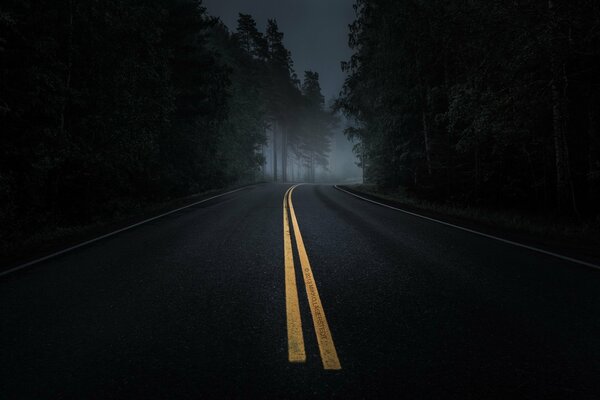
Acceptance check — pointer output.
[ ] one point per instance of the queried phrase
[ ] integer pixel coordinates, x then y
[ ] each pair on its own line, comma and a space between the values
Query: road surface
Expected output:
240, 297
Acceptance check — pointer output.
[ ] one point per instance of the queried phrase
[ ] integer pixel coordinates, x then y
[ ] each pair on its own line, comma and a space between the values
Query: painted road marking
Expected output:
296, 352
327, 349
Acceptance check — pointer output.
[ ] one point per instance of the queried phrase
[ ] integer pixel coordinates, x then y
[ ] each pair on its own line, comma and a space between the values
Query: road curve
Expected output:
193, 305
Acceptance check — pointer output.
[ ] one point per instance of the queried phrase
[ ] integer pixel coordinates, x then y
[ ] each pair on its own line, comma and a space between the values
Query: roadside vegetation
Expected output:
109, 107
480, 105
559, 232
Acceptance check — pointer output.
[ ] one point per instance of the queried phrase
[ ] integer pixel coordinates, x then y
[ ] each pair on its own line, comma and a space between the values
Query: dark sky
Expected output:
316, 31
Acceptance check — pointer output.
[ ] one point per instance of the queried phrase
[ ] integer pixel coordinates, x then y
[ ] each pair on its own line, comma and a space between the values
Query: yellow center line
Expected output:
296, 352
329, 355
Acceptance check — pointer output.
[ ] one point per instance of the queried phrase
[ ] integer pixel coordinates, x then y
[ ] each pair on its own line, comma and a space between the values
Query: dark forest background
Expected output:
480, 103
109, 105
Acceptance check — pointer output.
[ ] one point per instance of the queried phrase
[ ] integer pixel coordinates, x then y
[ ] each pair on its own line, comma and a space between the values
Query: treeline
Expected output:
298, 125
108, 105
493, 103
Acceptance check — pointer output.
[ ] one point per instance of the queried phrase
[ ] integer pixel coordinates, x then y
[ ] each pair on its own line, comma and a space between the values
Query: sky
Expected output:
316, 32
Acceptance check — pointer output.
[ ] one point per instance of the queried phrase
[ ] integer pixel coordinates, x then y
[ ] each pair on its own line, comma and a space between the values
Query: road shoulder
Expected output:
585, 249
61, 239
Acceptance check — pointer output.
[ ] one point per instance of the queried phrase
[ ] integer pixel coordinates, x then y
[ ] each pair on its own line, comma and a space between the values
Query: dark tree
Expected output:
492, 104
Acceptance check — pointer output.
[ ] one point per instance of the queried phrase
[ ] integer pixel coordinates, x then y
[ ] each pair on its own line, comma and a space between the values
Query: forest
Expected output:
493, 103
106, 106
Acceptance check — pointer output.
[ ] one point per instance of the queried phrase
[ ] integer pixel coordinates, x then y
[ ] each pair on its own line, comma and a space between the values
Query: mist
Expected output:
316, 34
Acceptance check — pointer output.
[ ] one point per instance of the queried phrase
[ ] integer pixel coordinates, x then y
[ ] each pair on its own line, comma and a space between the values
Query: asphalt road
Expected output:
193, 305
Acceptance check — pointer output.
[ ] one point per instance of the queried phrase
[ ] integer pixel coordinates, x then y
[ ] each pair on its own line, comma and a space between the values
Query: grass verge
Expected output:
49, 239
577, 238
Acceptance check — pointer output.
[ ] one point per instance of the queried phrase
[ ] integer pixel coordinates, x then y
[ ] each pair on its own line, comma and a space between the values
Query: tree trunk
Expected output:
284, 159
264, 162
450, 174
565, 199
69, 73
312, 167
363, 161
274, 151
477, 169
559, 150
426, 141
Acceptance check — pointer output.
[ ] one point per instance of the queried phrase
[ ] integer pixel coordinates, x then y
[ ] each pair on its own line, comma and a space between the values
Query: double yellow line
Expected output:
296, 350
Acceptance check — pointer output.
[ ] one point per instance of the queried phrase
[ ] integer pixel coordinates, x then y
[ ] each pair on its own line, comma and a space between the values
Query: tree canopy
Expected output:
108, 105
492, 103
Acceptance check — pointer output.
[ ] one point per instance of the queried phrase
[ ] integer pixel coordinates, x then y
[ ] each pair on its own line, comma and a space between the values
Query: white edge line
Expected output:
573, 260
58, 253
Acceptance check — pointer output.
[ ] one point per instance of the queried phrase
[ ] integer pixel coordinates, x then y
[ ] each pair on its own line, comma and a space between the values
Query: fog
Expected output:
316, 33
